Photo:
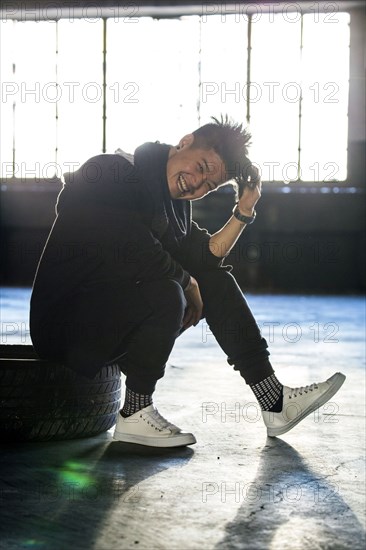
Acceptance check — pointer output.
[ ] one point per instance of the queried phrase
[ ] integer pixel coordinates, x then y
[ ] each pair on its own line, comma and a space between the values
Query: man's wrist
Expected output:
245, 211
244, 216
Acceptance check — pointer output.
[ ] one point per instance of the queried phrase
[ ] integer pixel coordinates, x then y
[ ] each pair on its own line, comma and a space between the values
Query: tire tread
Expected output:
43, 401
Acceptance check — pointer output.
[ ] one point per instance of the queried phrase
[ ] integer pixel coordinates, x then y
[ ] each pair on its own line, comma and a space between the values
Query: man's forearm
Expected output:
223, 241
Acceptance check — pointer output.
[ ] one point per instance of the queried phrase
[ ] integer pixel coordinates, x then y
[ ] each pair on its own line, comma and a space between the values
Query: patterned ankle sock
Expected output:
269, 393
134, 402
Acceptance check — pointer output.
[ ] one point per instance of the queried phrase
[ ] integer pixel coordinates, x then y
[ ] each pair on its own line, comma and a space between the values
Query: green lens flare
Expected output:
77, 474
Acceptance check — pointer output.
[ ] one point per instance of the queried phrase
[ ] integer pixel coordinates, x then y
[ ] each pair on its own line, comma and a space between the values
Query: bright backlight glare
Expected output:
152, 93
164, 78
275, 96
324, 123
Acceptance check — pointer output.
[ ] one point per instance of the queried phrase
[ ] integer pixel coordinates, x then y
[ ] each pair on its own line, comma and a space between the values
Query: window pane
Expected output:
223, 67
80, 76
8, 97
275, 95
152, 94
35, 111
324, 126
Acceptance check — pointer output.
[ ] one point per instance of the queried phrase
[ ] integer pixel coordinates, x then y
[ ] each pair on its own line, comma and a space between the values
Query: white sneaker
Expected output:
148, 427
299, 402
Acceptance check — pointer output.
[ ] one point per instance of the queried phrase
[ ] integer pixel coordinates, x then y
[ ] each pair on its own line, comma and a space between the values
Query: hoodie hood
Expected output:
151, 163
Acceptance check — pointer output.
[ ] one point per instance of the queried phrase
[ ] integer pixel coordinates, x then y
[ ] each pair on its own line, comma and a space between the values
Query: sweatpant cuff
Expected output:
145, 387
255, 373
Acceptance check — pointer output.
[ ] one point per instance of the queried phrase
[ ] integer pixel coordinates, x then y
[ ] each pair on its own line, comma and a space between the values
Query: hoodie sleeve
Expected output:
143, 256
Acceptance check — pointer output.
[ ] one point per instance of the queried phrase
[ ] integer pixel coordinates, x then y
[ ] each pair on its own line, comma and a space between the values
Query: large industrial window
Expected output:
74, 89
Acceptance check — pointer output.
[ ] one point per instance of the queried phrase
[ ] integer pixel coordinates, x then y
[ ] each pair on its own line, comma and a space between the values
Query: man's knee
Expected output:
172, 296
166, 298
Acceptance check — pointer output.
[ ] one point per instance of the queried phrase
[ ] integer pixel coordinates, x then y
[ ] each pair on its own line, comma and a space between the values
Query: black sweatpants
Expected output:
140, 323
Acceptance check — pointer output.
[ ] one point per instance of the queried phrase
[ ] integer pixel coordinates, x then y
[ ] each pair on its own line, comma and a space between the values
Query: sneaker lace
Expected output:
158, 421
303, 389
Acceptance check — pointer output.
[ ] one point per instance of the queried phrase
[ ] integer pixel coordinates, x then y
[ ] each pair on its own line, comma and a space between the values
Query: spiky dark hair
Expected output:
230, 140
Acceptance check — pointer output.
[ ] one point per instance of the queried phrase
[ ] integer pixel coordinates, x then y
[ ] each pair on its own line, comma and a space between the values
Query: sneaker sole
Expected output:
178, 441
273, 432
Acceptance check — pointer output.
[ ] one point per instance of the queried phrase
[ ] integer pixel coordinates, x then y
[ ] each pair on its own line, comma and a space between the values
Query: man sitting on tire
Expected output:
125, 270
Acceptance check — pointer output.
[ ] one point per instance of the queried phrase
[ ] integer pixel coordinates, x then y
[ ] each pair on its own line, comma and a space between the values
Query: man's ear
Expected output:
186, 141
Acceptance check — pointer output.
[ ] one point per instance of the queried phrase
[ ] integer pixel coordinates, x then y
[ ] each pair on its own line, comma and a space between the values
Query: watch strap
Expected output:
244, 219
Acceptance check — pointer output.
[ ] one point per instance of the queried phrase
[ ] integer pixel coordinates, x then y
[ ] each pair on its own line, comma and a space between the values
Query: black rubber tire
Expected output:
42, 401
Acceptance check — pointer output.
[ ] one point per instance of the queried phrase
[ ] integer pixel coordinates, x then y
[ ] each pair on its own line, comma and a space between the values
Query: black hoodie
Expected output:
115, 221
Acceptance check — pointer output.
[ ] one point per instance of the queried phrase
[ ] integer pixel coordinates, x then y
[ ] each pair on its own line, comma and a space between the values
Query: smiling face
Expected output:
193, 172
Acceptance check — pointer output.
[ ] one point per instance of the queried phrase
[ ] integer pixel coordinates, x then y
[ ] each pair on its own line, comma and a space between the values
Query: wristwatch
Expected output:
244, 219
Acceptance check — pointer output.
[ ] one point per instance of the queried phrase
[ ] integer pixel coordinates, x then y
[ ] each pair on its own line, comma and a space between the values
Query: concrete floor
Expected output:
234, 489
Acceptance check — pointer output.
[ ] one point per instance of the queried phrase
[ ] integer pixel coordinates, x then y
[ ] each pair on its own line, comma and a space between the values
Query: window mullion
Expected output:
249, 49
300, 102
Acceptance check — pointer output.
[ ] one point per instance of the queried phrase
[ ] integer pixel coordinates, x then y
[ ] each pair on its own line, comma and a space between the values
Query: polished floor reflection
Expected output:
234, 489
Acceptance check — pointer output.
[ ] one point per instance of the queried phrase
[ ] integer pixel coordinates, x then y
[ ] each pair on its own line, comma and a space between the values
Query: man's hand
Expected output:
251, 195
194, 307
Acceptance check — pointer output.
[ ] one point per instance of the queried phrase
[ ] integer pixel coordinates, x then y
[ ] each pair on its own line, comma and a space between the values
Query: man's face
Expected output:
191, 172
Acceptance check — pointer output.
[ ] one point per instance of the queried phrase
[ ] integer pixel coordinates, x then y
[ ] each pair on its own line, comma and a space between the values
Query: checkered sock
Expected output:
269, 393
134, 402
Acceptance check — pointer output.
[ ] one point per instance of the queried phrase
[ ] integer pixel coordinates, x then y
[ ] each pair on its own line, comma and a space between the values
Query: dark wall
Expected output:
300, 241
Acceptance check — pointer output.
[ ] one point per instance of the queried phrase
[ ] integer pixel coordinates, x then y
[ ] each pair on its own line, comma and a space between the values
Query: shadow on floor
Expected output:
289, 506
58, 495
